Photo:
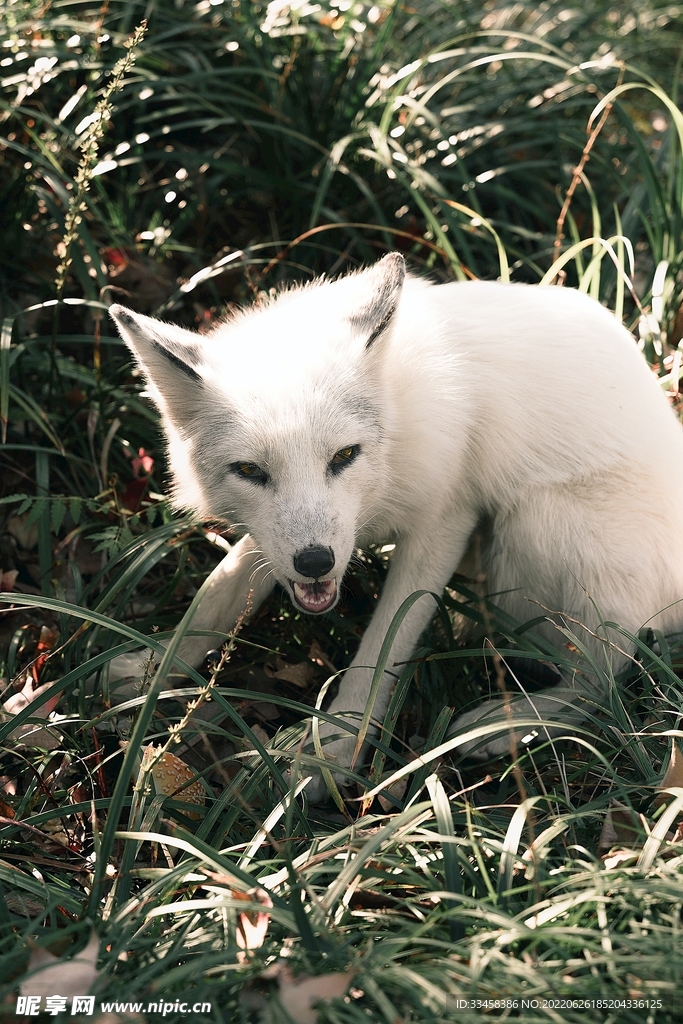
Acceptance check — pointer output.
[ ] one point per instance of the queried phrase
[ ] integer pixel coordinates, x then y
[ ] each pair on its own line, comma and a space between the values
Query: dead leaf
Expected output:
25, 536
622, 827
373, 899
7, 580
6, 810
30, 734
205, 317
56, 832
264, 710
335, 22
260, 734
69, 978
75, 398
673, 776
300, 675
300, 996
169, 774
252, 924
24, 905
317, 654
142, 465
220, 877
616, 857
143, 285
30, 693
8, 786
398, 790
46, 641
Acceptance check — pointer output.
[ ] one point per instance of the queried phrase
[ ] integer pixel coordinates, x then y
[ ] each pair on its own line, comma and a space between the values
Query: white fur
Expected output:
529, 407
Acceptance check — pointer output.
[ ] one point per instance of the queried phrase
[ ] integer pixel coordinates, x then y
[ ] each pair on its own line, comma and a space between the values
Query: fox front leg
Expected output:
423, 562
238, 585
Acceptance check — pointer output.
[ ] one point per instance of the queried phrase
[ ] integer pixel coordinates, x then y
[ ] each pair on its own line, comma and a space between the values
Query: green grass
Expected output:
297, 146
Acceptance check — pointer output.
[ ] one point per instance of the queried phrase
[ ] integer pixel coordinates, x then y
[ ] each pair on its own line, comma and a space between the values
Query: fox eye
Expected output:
343, 457
250, 471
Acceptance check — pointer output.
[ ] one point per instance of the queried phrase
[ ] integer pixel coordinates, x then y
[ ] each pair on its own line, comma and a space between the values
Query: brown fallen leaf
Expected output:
29, 695
142, 284
624, 831
24, 905
75, 398
169, 774
398, 790
264, 710
617, 857
317, 654
333, 21
6, 810
260, 734
46, 641
221, 878
30, 734
300, 675
7, 580
205, 317
300, 996
252, 924
25, 536
51, 974
8, 786
673, 776
622, 827
56, 833
373, 899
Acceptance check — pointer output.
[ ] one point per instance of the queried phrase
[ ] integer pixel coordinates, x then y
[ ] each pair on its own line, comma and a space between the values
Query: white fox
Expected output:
380, 408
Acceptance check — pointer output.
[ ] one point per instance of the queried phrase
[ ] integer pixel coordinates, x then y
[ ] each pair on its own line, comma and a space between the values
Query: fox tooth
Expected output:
315, 597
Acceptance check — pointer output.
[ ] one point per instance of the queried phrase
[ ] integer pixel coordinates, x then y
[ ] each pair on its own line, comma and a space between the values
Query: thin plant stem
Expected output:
578, 172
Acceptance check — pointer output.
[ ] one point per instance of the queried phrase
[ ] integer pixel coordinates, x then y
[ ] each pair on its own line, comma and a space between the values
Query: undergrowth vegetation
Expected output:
184, 157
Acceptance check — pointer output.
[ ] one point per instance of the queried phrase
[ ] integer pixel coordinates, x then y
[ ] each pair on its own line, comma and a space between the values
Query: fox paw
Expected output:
506, 733
338, 753
504, 737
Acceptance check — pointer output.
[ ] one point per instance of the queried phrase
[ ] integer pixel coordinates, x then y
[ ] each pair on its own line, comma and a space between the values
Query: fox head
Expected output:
276, 421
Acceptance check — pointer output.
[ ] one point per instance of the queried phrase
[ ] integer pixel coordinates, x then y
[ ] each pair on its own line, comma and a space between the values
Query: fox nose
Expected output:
314, 561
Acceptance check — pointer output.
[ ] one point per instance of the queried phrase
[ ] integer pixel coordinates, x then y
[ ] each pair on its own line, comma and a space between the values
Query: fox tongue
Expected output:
316, 597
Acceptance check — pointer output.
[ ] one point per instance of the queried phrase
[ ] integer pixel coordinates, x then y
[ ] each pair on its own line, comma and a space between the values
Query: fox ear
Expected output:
169, 357
386, 281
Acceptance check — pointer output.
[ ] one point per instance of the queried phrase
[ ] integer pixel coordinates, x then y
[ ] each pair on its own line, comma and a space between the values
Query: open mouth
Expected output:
315, 597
